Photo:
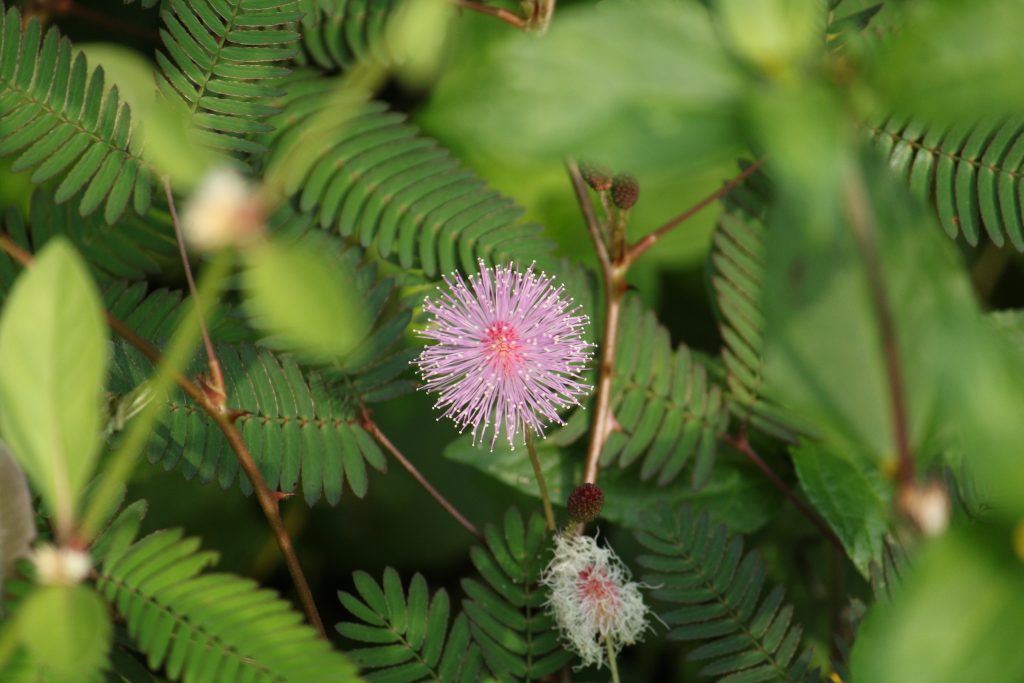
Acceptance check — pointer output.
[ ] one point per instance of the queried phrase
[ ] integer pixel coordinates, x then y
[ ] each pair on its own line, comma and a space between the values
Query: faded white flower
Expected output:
61, 566
225, 210
592, 598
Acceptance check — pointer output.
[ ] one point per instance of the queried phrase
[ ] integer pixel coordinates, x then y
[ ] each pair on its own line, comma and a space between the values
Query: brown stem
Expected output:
498, 12
647, 241
613, 277
223, 421
373, 430
862, 224
741, 444
217, 386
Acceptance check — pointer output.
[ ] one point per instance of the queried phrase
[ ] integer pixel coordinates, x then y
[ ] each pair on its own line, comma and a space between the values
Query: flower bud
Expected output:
585, 503
61, 566
596, 176
625, 191
225, 210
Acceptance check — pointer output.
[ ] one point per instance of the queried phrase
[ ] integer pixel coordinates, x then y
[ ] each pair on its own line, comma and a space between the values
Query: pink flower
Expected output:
509, 352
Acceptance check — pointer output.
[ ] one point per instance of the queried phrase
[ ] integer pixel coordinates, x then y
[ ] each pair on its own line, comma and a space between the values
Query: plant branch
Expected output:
224, 422
503, 14
862, 224
371, 427
637, 249
220, 395
741, 444
613, 277
538, 473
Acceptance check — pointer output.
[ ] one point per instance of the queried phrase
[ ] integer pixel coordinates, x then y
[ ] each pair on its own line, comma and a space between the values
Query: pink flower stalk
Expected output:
509, 352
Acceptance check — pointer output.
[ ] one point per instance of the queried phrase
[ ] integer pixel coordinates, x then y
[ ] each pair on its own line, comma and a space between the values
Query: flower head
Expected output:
509, 352
592, 598
225, 210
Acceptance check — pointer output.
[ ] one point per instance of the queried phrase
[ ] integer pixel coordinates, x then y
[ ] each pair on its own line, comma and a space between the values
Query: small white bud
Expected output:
929, 507
61, 566
225, 210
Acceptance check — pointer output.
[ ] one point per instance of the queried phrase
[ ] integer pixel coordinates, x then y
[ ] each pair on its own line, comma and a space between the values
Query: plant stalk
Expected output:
373, 430
225, 423
612, 664
549, 514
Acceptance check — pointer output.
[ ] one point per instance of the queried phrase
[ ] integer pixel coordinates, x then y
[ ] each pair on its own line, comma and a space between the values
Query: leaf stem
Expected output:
225, 423
220, 396
500, 13
373, 430
741, 444
612, 664
531, 448
862, 224
647, 241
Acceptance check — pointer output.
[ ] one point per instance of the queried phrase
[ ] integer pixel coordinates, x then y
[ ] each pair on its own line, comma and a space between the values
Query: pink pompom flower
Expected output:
509, 352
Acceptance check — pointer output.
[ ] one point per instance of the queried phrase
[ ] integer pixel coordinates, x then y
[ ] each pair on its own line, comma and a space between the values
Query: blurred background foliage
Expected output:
847, 101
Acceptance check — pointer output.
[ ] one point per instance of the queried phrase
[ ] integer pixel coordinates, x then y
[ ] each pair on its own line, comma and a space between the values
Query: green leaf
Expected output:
303, 300
670, 97
17, 518
53, 363
851, 496
957, 617
67, 630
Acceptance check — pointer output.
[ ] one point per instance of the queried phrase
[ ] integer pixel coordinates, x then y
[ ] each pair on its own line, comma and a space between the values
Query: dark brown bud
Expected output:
625, 191
596, 176
585, 503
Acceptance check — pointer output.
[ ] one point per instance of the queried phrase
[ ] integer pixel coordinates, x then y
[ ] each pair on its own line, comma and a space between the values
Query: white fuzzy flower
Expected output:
592, 598
61, 566
225, 210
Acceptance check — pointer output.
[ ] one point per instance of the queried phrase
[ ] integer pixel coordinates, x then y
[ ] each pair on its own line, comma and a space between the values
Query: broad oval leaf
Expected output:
53, 361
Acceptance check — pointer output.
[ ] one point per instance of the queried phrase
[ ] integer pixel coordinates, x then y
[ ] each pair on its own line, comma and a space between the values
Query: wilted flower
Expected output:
509, 351
225, 210
592, 598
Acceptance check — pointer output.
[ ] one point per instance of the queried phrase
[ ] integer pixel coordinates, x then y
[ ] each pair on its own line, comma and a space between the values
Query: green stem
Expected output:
535, 461
178, 353
611, 659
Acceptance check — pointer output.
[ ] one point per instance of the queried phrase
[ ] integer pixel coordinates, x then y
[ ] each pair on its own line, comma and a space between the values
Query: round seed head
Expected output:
625, 191
585, 503
596, 176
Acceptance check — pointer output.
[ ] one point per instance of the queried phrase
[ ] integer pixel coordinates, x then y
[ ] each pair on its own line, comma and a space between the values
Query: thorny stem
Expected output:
497, 12
224, 422
647, 241
612, 664
862, 224
531, 448
216, 375
741, 444
613, 277
373, 430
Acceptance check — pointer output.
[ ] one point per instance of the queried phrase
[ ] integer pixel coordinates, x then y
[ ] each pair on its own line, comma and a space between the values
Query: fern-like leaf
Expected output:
206, 628
338, 34
62, 121
226, 59
366, 173
970, 174
669, 410
301, 425
736, 265
717, 589
408, 633
506, 610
